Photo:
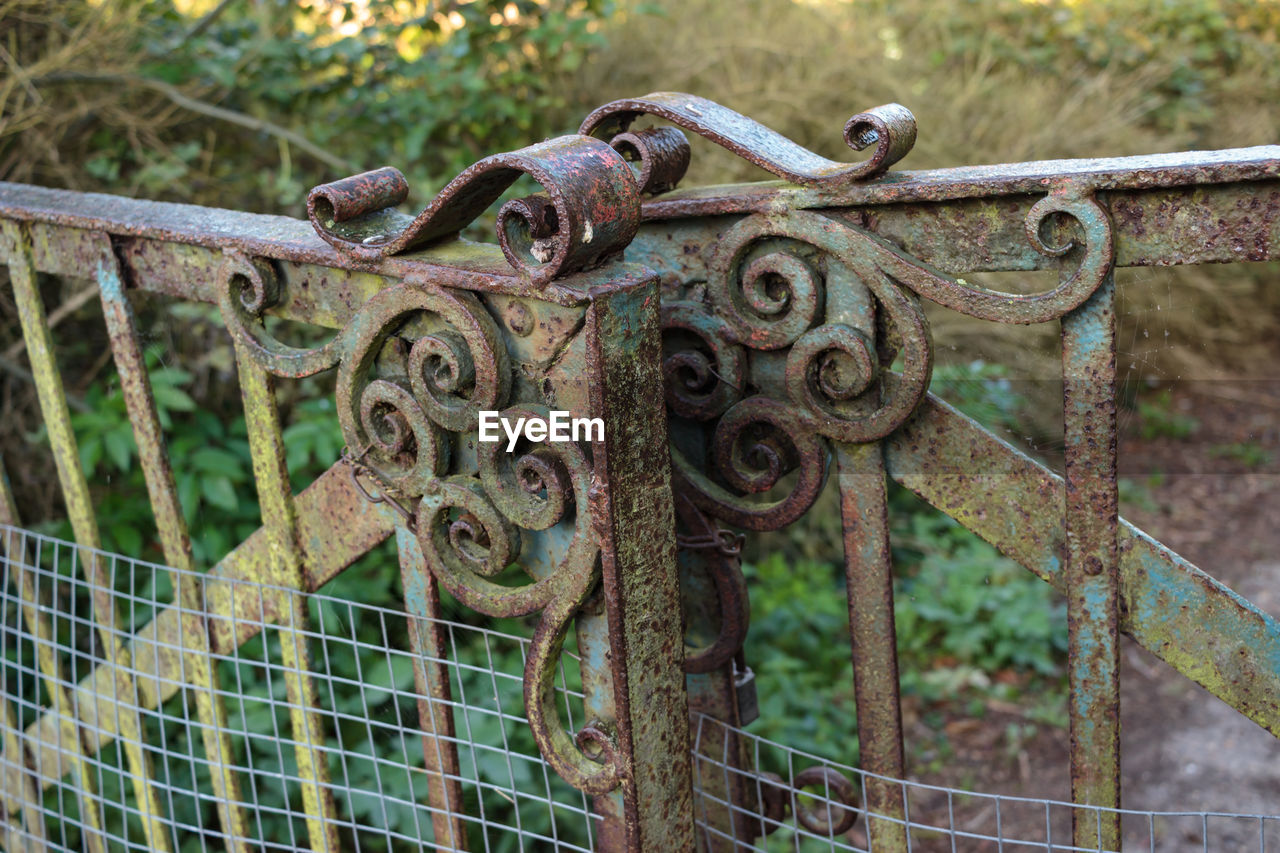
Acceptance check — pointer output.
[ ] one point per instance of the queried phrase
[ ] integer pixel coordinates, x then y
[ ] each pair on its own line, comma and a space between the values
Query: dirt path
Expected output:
1214, 497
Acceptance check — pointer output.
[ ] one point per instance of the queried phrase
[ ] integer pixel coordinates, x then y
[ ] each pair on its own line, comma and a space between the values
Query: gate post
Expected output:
635, 523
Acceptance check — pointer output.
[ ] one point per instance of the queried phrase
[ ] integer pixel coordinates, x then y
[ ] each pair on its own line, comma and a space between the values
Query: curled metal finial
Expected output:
590, 211
662, 154
891, 128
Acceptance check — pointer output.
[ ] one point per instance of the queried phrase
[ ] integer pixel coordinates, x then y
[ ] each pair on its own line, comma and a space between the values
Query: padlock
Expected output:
744, 685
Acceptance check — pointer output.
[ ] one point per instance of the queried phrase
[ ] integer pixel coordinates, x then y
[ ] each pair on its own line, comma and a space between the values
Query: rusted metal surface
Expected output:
746, 273
104, 617
1105, 175
839, 811
418, 362
284, 573
890, 128
632, 507
1169, 606
175, 542
431, 678
768, 318
1092, 566
589, 214
717, 613
662, 155
869, 576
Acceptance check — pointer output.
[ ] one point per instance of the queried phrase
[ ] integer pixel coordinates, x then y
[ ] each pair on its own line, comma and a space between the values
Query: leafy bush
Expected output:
965, 612
285, 95
971, 624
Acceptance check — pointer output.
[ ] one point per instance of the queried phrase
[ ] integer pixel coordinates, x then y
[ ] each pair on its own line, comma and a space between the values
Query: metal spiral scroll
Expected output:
247, 287
837, 816
468, 532
766, 294
399, 404
889, 130
448, 375
590, 212
1096, 256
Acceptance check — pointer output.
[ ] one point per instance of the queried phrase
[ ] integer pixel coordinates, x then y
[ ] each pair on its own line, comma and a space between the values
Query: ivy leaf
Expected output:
119, 446
171, 398
219, 491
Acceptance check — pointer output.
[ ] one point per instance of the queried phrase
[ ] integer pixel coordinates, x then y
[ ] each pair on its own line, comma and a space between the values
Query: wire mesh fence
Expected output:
65, 781
937, 818
362, 669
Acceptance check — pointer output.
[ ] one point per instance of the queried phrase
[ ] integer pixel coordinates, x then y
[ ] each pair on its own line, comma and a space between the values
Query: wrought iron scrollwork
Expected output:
1096, 257
766, 316
765, 294
889, 130
247, 287
415, 366
468, 530
782, 347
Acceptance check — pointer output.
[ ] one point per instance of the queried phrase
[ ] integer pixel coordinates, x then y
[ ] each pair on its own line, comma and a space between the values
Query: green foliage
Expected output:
1248, 453
798, 646
982, 391
1160, 420
971, 624
966, 613
965, 617
425, 86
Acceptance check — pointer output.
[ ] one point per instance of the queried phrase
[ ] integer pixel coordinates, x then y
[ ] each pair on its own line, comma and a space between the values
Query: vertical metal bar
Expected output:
69, 733
279, 517
57, 418
20, 790
21, 793
200, 670
728, 796
636, 526
435, 707
1092, 564
868, 567
599, 702
869, 575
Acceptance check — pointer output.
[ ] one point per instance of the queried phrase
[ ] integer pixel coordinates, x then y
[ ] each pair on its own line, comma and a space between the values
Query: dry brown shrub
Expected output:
804, 67
46, 119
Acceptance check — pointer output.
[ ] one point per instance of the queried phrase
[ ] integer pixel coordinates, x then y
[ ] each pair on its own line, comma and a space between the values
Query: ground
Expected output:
1205, 481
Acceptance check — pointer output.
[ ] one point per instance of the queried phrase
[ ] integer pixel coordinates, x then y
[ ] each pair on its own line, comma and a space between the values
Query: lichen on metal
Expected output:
736, 342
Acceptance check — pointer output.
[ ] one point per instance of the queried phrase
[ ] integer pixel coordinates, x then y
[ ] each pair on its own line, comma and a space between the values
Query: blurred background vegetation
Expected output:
247, 103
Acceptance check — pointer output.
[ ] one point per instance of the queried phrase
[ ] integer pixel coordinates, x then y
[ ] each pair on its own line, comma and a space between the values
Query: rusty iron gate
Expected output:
780, 322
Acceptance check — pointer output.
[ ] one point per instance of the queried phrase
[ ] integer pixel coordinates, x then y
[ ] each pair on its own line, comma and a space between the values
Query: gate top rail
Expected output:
296, 240
1149, 171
